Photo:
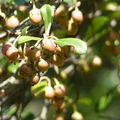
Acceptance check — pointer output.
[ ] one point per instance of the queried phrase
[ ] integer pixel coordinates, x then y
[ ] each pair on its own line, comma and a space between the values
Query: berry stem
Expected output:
47, 79
75, 108
56, 81
33, 1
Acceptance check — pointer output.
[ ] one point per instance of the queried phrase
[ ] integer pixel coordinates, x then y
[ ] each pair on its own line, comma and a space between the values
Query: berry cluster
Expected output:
68, 22
36, 58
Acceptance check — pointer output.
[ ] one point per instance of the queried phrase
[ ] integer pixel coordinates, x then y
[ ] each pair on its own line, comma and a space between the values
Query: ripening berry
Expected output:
49, 92
12, 22
34, 79
25, 70
77, 16
35, 16
12, 54
5, 48
58, 60
59, 90
48, 46
33, 53
42, 64
77, 116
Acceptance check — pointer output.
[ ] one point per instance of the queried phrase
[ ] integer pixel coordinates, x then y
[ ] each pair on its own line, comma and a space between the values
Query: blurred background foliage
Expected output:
96, 86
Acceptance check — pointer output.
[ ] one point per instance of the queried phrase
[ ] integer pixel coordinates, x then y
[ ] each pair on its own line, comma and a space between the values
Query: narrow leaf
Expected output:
23, 39
79, 45
46, 14
23, 32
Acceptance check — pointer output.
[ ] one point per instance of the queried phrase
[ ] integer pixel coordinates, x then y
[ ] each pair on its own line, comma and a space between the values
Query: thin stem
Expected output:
56, 81
33, 1
47, 79
75, 108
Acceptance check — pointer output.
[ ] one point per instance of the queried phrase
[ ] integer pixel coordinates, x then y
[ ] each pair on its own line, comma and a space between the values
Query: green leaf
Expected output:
38, 89
46, 14
79, 45
23, 32
13, 67
23, 39
96, 24
104, 102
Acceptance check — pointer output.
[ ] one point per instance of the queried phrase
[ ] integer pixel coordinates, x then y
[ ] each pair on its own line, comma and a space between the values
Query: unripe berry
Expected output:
42, 64
96, 62
59, 90
58, 60
77, 16
62, 51
57, 102
12, 54
63, 22
34, 79
112, 36
48, 46
49, 92
25, 70
12, 22
72, 28
5, 48
35, 16
77, 116
33, 53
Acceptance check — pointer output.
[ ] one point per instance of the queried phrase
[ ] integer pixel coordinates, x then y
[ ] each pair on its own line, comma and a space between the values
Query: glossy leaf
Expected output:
38, 89
79, 45
46, 14
96, 24
23, 39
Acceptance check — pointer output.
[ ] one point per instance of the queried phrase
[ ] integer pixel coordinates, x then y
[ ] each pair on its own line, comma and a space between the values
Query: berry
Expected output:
34, 79
12, 54
49, 92
59, 90
25, 70
58, 60
77, 116
42, 64
5, 48
33, 53
77, 16
35, 16
72, 28
12, 22
48, 46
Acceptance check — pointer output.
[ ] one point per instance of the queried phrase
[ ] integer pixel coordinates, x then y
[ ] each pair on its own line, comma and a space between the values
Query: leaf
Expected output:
23, 39
23, 32
79, 45
46, 14
96, 24
104, 102
13, 67
38, 89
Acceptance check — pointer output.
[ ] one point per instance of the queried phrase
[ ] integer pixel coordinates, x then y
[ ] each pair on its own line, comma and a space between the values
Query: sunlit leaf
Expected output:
79, 45
23, 39
46, 14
